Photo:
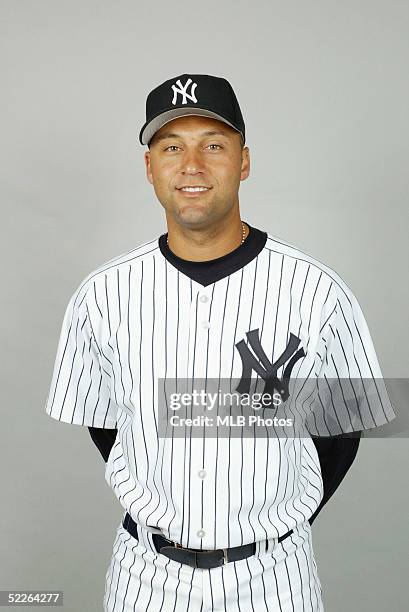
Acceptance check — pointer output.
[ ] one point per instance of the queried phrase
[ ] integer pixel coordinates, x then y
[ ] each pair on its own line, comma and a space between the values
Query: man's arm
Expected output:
336, 455
104, 439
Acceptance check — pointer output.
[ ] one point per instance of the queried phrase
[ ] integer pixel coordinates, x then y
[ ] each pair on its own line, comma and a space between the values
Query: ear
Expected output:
245, 163
147, 158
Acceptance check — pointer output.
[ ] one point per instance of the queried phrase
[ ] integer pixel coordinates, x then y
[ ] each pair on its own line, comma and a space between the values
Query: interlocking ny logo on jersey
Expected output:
264, 367
182, 90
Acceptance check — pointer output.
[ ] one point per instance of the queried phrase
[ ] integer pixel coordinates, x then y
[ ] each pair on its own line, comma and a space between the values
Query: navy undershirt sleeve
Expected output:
104, 440
336, 455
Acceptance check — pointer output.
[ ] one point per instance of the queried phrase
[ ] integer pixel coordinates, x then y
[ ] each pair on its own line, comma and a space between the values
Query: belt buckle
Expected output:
225, 557
177, 545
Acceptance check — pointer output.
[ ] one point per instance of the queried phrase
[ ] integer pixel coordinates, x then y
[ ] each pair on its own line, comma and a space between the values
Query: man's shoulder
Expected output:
110, 267
290, 251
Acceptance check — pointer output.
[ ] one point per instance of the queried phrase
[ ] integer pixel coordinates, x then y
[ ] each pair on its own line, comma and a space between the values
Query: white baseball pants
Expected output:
279, 577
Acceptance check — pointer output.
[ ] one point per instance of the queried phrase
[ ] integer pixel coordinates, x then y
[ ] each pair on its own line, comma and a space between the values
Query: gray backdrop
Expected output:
324, 93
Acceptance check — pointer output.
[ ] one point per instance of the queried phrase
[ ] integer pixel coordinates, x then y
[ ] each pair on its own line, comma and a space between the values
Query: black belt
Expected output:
196, 557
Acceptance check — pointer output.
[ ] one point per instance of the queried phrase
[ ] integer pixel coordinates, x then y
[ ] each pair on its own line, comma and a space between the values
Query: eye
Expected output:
210, 145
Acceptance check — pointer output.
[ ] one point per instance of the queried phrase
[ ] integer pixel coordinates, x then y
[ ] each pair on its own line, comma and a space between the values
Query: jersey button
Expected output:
203, 298
201, 533
205, 324
202, 473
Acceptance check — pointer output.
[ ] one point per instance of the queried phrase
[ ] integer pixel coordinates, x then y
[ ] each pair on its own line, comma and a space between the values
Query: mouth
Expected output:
193, 191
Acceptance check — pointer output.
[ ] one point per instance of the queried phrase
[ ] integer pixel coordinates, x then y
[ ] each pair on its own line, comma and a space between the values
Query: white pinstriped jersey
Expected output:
137, 318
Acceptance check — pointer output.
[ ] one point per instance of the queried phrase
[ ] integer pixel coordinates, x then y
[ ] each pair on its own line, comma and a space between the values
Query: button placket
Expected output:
203, 323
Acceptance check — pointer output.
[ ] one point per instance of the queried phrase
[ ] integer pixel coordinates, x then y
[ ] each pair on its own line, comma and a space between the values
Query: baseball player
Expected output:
214, 522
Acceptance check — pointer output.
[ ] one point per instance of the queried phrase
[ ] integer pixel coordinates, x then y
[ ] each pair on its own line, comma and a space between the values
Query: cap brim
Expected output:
151, 127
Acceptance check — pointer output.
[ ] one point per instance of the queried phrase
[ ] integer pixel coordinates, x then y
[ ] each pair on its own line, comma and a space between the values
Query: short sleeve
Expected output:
350, 392
80, 392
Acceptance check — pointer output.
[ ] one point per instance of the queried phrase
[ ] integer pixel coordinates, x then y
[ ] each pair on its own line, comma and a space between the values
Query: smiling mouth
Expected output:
193, 191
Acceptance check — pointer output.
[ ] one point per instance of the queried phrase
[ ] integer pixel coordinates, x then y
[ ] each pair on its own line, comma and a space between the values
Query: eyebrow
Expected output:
174, 135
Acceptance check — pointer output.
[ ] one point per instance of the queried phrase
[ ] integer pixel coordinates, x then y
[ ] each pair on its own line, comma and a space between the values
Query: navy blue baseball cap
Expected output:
191, 94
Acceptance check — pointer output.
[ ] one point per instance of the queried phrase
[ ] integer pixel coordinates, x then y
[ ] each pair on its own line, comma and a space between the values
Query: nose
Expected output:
191, 162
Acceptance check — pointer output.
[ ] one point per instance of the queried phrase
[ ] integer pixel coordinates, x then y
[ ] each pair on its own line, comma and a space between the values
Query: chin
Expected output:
193, 215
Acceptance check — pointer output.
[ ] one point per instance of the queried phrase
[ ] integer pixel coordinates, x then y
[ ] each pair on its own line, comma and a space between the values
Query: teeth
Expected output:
194, 189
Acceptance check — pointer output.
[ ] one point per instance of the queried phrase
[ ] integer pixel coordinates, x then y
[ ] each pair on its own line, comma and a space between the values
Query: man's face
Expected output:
198, 152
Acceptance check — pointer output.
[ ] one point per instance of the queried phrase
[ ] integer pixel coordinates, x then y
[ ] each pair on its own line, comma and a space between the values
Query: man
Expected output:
215, 521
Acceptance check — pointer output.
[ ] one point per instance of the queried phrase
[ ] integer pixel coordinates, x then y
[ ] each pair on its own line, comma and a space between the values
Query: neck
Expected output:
205, 245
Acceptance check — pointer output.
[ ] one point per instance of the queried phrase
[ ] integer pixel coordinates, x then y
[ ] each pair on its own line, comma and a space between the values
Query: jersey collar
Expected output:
210, 271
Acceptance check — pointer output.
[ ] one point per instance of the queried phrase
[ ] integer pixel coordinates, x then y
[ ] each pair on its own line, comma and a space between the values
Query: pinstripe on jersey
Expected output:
137, 318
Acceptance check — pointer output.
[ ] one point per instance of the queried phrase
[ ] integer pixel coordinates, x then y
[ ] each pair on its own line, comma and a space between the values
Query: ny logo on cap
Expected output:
180, 89
264, 367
